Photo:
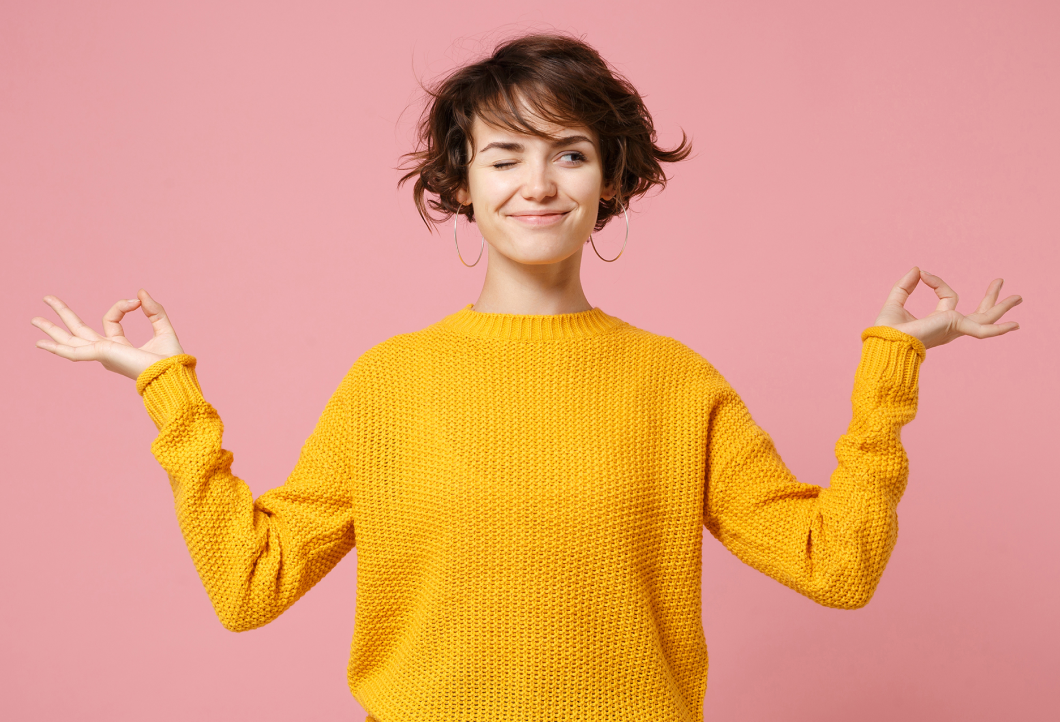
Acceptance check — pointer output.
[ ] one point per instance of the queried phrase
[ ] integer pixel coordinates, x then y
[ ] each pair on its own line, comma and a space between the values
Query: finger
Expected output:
86, 352
968, 327
947, 296
77, 327
58, 334
155, 314
901, 290
112, 318
992, 314
991, 295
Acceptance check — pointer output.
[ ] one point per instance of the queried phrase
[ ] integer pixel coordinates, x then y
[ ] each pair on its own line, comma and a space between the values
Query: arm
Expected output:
255, 558
829, 544
832, 544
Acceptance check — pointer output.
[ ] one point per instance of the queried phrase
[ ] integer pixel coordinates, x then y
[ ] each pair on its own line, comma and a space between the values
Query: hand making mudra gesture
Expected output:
117, 354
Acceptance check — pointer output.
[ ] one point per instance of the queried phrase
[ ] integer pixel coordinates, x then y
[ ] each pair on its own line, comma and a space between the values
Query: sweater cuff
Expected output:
169, 385
889, 353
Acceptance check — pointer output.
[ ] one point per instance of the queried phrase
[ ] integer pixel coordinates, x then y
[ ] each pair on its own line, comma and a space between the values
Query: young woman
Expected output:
527, 480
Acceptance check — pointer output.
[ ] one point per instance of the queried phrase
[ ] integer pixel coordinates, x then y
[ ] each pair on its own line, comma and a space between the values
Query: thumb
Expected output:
155, 313
905, 286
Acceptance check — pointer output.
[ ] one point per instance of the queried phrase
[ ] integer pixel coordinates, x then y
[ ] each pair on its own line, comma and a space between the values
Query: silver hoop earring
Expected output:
609, 260
481, 246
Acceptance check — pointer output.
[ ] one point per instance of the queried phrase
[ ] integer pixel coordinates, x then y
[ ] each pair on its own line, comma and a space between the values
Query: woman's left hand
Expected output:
946, 323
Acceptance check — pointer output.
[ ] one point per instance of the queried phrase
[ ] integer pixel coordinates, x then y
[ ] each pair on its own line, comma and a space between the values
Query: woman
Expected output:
527, 479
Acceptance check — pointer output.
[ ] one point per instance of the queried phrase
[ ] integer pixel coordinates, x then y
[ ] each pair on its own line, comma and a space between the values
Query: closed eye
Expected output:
576, 157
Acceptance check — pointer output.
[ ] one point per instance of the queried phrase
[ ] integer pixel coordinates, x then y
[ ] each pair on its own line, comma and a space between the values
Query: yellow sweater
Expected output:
527, 495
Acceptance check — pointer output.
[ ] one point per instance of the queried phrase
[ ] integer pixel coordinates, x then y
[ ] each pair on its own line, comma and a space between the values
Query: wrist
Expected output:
893, 333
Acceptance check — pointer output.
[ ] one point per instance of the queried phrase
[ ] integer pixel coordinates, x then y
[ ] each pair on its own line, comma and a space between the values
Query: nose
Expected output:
539, 184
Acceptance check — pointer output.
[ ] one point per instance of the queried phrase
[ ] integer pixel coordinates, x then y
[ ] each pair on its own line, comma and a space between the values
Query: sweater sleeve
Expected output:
255, 557
829, 544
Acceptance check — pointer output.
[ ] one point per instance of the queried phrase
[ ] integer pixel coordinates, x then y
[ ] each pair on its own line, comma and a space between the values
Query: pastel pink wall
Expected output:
237, 160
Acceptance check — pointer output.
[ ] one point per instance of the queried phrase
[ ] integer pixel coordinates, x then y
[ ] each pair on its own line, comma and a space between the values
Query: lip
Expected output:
538, 219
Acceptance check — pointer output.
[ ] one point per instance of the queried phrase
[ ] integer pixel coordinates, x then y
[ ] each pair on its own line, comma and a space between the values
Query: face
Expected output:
535, 200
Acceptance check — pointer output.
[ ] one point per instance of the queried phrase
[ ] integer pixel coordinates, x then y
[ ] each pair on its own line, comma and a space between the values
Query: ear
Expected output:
608, 192
463, 197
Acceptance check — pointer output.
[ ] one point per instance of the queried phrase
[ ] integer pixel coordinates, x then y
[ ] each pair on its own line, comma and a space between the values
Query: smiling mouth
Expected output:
539, 220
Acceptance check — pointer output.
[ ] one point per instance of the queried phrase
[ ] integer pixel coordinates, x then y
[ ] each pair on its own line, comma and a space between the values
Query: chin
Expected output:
529, 254
532, 259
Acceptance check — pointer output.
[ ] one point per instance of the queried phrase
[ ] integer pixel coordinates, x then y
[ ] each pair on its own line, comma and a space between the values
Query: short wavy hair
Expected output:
562, 80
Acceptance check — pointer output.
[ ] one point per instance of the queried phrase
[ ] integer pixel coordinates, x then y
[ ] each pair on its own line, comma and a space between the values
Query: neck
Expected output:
535, 289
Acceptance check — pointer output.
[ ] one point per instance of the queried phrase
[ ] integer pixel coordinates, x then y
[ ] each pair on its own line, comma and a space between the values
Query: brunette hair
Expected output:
564, 81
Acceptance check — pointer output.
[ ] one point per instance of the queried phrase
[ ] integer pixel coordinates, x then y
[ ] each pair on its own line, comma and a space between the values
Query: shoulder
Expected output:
671, 367
663, 349
397, 356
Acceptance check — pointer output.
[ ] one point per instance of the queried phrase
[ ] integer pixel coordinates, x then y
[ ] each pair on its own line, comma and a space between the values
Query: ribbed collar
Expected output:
529, 327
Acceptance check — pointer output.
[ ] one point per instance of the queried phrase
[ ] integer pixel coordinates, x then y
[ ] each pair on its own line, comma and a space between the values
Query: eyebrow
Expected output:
519, 148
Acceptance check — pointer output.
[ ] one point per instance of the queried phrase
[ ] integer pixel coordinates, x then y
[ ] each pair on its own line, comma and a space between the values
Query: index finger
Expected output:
112, 318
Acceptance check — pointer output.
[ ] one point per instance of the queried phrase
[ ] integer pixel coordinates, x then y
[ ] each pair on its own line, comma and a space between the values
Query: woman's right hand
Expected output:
113, 350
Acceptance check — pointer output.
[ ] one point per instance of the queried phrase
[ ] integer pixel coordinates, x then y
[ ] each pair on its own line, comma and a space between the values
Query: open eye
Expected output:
576, 156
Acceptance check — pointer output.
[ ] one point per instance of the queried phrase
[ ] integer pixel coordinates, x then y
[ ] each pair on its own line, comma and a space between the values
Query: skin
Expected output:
533, 263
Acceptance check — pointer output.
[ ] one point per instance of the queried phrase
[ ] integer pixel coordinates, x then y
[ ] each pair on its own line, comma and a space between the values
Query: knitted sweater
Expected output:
527, 496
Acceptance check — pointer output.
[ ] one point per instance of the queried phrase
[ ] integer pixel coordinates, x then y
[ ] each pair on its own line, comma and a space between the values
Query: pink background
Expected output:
237, 160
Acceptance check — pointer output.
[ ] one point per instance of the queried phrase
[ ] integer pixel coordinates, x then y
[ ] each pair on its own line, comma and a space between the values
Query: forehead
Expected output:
483, 132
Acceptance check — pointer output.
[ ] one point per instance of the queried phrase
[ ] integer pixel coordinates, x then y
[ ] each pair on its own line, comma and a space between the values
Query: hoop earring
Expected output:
481, 245
609, 260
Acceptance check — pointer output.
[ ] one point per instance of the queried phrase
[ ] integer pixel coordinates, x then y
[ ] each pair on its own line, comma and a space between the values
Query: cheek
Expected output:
491, 189
586, 189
